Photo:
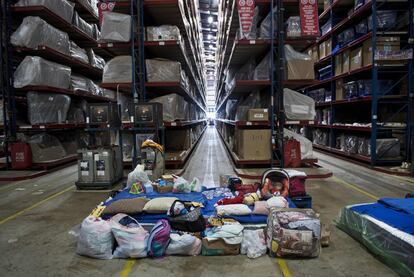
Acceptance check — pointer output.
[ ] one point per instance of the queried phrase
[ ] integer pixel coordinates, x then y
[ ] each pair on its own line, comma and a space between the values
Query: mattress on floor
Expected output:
207, 211
391, 245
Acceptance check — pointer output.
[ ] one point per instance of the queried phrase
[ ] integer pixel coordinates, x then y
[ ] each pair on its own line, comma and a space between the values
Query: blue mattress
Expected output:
207, 211
398, 213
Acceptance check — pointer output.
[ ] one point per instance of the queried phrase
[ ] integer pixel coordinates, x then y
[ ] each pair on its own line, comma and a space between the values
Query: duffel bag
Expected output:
184, 216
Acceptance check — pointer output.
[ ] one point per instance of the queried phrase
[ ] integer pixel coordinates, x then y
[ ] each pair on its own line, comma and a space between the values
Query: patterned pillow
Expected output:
126, 206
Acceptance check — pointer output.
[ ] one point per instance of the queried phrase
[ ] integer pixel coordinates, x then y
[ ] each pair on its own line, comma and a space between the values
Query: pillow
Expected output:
261, 207
233, 209
159, 205
126, 206
277, 202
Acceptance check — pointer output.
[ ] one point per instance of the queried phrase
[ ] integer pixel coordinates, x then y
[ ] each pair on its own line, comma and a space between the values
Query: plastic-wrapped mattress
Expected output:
62, 8
391, 245
82, 83
266, 25
78, 53
46, 148
46, 108
118, 70
115, 27
77, 112
84, 26
34, 71
95, 60
262, 71
162, 70
174, 107
34, 32
163, 32
298, 106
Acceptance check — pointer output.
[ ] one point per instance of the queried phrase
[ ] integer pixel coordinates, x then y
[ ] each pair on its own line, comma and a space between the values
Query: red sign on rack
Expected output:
309, 17
105, 7
246, 14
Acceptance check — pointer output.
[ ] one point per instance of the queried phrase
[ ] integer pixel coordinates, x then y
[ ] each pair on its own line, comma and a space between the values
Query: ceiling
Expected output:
208, 13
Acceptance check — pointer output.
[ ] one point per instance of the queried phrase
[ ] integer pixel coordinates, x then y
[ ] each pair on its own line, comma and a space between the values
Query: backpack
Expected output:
159, 239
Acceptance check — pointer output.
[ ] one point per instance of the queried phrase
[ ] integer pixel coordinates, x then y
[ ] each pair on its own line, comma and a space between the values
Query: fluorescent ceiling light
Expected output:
210, 19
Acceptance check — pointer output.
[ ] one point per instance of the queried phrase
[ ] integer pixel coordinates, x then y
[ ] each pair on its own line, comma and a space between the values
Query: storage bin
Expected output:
351, 89
302, 202
325, 73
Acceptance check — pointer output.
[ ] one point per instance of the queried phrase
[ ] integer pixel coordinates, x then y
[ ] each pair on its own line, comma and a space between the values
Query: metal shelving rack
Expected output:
160, 12
236, 52
401, 103
9, 54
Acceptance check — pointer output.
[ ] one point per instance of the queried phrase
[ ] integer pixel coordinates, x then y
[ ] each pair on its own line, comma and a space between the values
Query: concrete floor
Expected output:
39, 218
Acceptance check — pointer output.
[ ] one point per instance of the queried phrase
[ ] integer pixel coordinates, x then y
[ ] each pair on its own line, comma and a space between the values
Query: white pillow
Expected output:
277, 202
233, 209
159, 205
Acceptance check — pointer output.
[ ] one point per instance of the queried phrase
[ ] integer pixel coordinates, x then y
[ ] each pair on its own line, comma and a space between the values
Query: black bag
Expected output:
193, 221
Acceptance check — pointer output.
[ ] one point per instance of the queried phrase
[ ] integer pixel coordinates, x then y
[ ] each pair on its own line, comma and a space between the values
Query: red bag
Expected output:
247, 188
21, 155
292, 153
297, 186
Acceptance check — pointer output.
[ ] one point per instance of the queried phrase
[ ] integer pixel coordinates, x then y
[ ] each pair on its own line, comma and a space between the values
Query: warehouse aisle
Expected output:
39, 220
209, 160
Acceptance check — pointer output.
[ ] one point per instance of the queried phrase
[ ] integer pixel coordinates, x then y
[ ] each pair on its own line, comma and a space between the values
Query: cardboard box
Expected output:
300, 70
383, 44
322, 50
328, 47
258, 115
168, 178
355, 59
253, 144
338, 64
345, 61
218, 248
339, 91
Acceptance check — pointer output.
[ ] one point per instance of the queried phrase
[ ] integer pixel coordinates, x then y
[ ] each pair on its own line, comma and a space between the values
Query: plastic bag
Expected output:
253, 244
298, 106
306, 147
138, 175
186, 244
181, 185
131, 237
195, 185
95, 239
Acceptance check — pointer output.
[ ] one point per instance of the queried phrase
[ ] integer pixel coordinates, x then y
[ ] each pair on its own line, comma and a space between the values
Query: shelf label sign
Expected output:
105, 7
309, 20
245, 9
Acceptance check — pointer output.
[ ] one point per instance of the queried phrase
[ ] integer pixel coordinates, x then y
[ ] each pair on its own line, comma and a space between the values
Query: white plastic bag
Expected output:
187, 245
196, 185
132, 239
95, 238
181, 185
138, 175
277, 202
253, 244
